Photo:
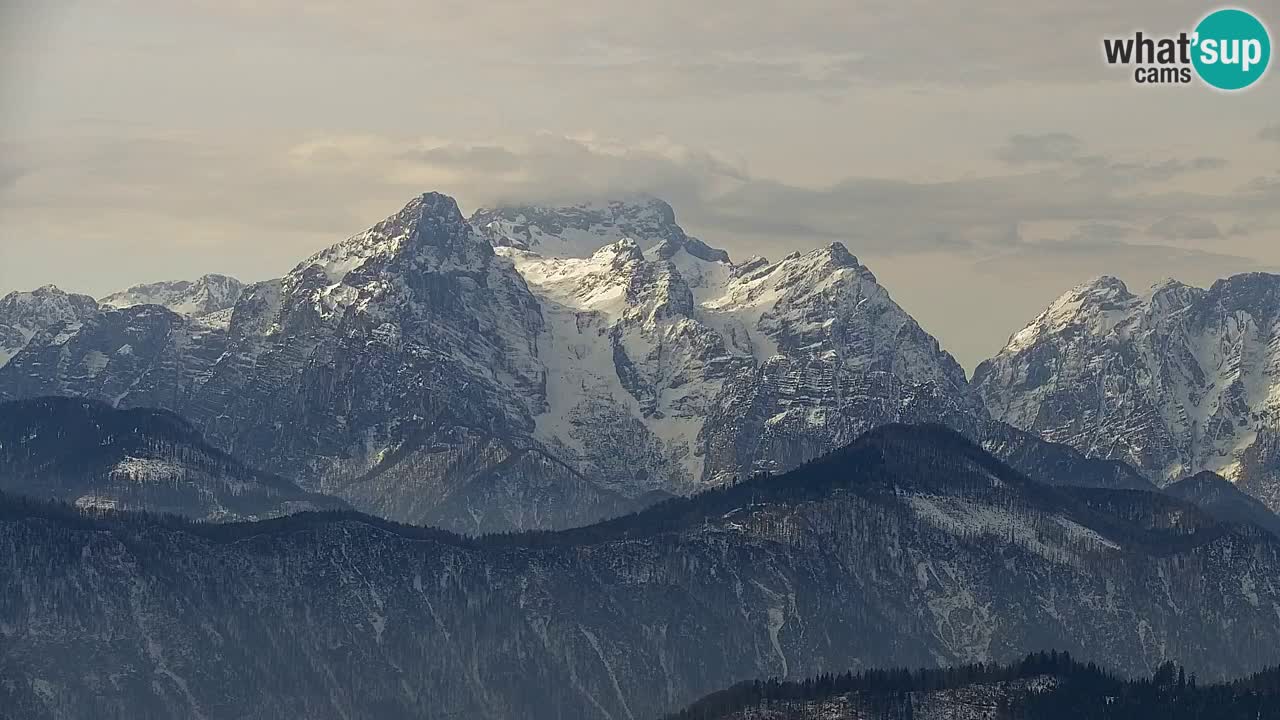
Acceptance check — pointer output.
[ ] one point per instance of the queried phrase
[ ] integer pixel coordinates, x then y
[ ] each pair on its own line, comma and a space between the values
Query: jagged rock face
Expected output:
632, 365
143, 356
23, 314
834, 356
399, 368
910, 548
209, 294
688, 370
94, 456
1175, 381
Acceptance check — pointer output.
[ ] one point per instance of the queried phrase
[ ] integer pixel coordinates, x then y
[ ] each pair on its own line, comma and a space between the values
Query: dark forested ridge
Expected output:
1223, 499
888, 461
93, 455
1042, 686
910, 547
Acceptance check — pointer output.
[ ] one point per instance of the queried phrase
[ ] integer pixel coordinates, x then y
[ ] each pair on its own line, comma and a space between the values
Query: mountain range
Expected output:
546, 367
911, 546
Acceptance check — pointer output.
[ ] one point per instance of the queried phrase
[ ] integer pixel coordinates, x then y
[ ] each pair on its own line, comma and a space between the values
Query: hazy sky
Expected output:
980, 157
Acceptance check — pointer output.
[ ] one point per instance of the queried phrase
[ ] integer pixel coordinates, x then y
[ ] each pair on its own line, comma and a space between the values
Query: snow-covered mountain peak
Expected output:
619, 253
1256, 293
1257, 282
797, 271
427, 232
1104, 286
1094, 307
841, 256
578, 230
1178, 380
22, 314
431, 218
48, 298
210, 293
1105, 293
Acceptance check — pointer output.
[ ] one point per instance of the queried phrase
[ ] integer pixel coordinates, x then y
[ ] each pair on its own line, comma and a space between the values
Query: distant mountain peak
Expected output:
1104, 292
577, 230
1257, 281
1176, 381
1086, 307
840, 255
210, 293
429, 219
1105, 284
23, 314
429, 229
430, 205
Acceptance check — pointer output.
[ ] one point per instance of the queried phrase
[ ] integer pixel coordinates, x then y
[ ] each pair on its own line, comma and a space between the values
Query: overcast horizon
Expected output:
980, 161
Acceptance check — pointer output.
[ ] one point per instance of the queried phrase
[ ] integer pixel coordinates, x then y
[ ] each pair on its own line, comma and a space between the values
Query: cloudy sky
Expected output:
979, 157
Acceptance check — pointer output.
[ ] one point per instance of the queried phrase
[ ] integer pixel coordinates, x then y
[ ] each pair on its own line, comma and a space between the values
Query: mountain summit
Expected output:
24, 314
581, 229
209, 294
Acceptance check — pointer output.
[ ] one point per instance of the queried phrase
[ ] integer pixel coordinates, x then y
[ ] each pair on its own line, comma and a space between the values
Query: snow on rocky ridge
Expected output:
1173, 381
647, 323
23, 314
209, 294
579, 230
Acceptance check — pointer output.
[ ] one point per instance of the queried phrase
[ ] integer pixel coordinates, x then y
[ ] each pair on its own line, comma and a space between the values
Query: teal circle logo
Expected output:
1232, 49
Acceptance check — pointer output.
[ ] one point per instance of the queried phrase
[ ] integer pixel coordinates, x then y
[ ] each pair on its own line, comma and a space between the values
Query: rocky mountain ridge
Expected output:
1175, 381
209, 294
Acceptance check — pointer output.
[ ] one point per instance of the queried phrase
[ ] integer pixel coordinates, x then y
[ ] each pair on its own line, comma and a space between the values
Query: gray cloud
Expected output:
10, 174
1095, 232
1059, 149
329, 186
1182, 227
1054, 147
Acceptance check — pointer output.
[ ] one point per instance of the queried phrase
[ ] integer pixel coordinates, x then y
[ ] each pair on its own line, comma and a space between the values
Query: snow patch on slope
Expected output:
208, 294
970, 518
